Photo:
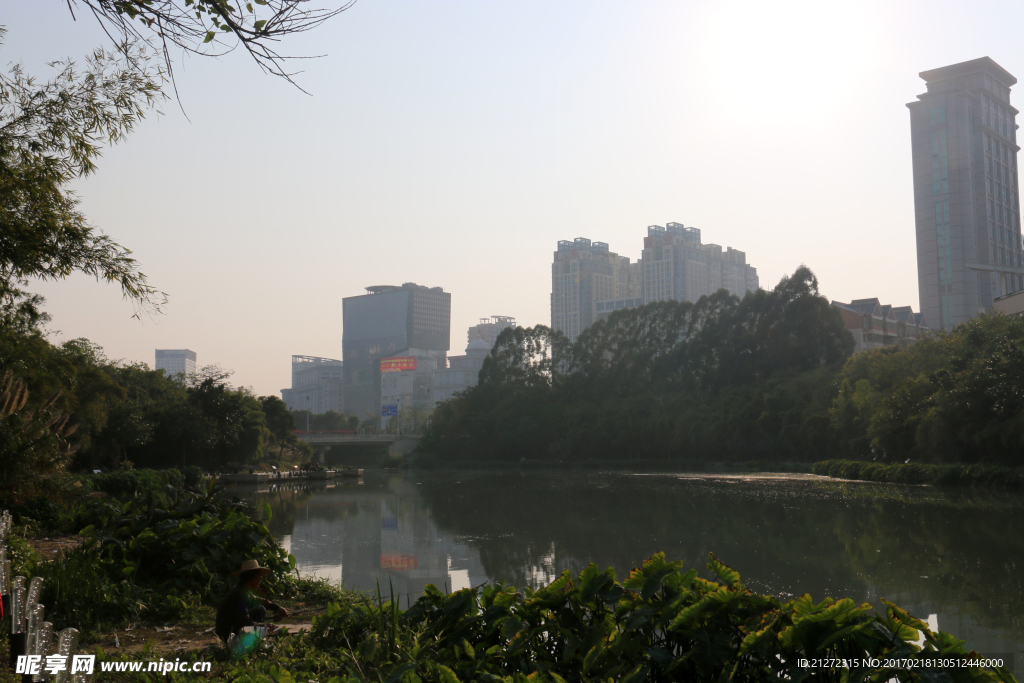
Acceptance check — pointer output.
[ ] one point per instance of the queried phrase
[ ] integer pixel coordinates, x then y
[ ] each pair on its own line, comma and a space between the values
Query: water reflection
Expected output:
953, 556
370, 531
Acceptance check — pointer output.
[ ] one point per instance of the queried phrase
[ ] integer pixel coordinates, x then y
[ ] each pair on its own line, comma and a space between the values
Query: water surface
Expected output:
952, 555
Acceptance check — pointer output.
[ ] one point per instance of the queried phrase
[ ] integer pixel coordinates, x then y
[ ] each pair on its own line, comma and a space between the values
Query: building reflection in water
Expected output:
948, 554
378, 532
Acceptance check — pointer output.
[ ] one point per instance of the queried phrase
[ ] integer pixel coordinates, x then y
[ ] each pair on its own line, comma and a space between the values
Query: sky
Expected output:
453, 144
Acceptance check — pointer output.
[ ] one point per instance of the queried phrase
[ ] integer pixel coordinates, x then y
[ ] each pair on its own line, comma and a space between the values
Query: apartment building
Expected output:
874, 325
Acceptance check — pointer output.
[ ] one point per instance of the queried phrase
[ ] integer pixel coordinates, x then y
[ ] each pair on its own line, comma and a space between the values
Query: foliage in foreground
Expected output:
160, 555
917, 473
660, 624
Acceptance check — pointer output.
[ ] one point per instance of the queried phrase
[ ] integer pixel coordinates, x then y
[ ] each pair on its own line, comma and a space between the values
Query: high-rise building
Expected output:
963, 135
582, 274
410, 323
488, 329
676, 265
318, 385
176, 361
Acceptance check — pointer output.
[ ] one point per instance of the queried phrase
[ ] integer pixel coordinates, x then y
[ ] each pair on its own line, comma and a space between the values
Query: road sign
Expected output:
389, 410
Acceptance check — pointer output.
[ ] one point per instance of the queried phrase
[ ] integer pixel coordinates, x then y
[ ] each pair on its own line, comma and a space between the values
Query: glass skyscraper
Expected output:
966, 202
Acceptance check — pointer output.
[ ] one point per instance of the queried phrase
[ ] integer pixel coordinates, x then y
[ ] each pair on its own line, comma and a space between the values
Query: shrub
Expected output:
914, 473
660, 624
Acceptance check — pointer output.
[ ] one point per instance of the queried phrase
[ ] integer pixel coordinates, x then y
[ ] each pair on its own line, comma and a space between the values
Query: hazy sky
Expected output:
453, 144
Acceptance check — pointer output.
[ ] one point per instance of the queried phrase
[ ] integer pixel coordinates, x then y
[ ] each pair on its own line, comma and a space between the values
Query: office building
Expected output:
318, 385
874, 325
462, 372
582, 274
176, 361
409, 325
489, 328
677, 266
963, 134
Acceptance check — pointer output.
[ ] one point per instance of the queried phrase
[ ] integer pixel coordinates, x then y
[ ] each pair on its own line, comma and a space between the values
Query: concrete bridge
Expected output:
396, 444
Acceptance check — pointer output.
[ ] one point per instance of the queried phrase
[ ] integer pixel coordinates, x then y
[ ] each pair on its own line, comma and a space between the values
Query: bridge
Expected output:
396, 444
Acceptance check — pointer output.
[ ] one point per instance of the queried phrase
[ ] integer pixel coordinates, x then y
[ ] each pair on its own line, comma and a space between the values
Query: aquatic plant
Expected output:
660, 624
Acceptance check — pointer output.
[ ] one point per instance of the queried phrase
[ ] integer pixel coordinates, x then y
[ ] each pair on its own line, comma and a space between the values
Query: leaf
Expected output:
210, 35
399, 671
724, 571
446, 674
592, 656
258, 26
688, 614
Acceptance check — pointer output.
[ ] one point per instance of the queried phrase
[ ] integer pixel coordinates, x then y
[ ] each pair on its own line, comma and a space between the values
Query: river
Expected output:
952, 557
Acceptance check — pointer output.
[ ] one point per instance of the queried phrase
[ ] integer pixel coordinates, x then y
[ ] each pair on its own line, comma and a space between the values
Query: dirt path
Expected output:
55, 546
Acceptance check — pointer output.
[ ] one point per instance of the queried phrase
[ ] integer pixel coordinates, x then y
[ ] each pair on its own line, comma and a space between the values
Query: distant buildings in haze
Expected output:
874, 325
583, 273
176, 361
410, 324
488, 329
462, 372
966, 199
588, 281
318, 385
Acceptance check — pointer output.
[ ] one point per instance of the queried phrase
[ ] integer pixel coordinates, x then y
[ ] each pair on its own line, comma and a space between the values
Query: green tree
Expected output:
954, 397
720, 378
33, 442
50, 134
280, 421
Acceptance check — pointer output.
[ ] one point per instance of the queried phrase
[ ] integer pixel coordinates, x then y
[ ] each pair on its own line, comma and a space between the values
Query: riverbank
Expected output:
680, 466
917, 474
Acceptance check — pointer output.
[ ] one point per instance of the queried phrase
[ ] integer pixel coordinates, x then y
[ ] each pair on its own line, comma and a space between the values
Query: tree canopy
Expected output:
51, 133
720, 378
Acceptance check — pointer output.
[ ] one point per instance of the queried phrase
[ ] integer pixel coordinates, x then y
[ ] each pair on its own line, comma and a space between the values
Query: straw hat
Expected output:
249, 565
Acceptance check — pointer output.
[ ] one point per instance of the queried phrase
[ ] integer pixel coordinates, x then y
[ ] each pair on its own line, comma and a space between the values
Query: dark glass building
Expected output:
963, 134
385, 322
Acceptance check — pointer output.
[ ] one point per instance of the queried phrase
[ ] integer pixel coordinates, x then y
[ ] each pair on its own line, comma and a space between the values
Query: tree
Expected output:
213, 27
280, 420
33, 442
50, 134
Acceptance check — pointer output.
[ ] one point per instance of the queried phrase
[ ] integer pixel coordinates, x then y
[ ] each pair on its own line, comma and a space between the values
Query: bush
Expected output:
130, 483
915, 473
660, 624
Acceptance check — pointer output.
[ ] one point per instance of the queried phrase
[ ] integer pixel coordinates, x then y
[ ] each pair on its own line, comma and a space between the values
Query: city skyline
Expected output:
598, 121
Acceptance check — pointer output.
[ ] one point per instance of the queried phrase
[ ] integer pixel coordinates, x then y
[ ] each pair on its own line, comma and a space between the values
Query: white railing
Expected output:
29, 633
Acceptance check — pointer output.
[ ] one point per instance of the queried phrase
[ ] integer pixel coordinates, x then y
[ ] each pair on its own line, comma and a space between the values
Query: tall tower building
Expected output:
966, 202
176, 361
582, 274
411, 322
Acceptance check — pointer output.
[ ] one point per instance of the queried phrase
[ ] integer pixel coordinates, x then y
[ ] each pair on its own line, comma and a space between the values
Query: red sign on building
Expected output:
398, 364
